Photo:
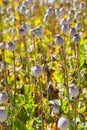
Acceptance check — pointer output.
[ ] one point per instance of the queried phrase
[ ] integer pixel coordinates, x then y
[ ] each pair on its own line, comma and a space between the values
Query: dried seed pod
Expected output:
36, 71
72, 32
77, 16
76, 38
73, 91
2, 46
69, 20
77, 26
71, 13
65, 29
49, 11
22, 10
55, 109
59, 40
4, 65
63, 123
22, 31
11, 46
76, 4
82, 6
63, 21
3, 98
3, 115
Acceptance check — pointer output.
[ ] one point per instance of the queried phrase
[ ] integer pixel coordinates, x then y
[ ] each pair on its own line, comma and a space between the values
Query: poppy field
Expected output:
43, 65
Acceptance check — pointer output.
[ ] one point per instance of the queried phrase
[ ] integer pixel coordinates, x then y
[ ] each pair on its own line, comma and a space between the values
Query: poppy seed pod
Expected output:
76, 4
63, 21
77, 16
9, 10
69, 20
36, 71
55, 109
59, 40
33, 31
71, 13
63, 123
49, 11
4, 66
25, 26
28, 13
77, 26
27, 3
2, 46
3, 115
22, 10
39, 31
72, 32
3, 98
22, 31
46, 17
73, 91
65, 29
62, 11
14, 20
76, 38
11, 46
57, 11
82, 6
13, 31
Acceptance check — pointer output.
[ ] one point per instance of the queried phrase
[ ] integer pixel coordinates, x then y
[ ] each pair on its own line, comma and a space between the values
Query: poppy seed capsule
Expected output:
26, 3
39, 31
55, 109
72, 32
22, 10
77, 26
65, 29
76, 38
4, 66
76, 4
59, 40
11, 46
2, 46
73, 91
3, 115
22, 31
3, 98
82, 6
63, 123
36, 71
69, 20
63, 21
33, 31
49, 11
71, 13
77, 16
62, 11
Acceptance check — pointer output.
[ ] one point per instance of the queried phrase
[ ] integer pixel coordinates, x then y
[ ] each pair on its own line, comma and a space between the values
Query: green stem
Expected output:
14, 81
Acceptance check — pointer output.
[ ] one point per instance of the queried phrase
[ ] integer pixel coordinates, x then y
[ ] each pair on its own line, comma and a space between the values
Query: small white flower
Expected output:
73, 91
11, 46
36, 71
3, 115
63, 123
3, 98
59, 40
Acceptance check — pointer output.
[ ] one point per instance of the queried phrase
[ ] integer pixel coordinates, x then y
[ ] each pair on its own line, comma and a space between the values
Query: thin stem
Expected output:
75, 115
5, 73
78, 62
27, 59
34, 47
41, 95
14, 80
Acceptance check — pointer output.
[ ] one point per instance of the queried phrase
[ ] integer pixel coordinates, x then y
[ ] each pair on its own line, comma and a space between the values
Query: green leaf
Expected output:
81, 117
